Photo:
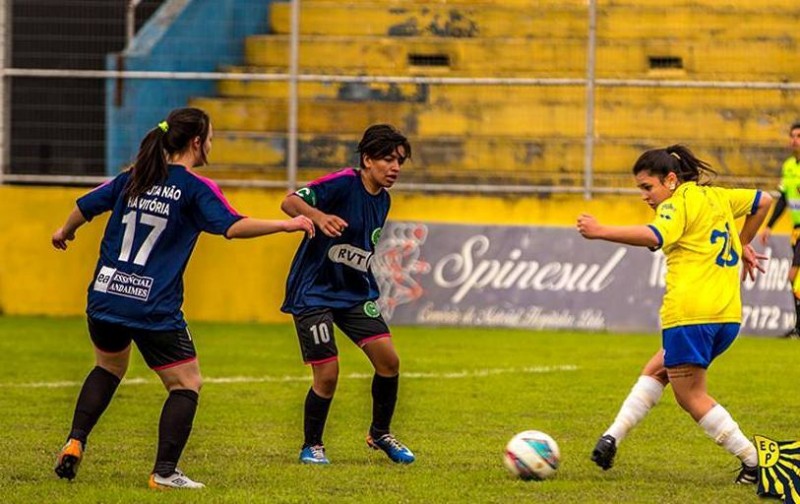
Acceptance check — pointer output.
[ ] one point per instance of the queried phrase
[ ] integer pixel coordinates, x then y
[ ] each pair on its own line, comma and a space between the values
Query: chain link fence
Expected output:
513, 96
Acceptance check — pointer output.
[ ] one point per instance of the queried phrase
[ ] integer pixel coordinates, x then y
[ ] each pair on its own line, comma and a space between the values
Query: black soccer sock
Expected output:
174, 429
314, 418
96, 394
796, 313
384, 398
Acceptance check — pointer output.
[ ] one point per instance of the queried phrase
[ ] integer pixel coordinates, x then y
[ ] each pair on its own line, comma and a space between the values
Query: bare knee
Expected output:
325, 387
326, 378
116, 364
186, 376
389, 366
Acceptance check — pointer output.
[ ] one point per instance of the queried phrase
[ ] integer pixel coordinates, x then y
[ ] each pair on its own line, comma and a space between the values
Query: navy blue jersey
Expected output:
335, 272
147, 243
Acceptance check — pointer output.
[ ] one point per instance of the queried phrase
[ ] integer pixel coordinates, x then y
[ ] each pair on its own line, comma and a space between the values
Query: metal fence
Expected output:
508, 97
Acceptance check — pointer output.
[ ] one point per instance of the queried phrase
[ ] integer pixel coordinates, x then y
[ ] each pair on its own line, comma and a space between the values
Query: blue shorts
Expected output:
697, 344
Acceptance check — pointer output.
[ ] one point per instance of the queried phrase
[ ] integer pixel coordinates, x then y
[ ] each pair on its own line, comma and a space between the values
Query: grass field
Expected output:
464, 394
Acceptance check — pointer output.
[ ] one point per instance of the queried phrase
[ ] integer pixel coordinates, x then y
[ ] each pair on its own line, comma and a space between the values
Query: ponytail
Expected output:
150, 167
171, 136
677, 159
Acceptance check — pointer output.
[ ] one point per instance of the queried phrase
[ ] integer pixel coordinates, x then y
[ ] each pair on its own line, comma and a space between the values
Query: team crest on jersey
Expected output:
375, 236
371, 309
351, 256
308, 195
113, 281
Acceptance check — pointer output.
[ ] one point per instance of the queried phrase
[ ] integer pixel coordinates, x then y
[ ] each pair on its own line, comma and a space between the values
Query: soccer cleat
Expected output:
174, 480
604, 452
747, 475
314, 455
69, 458
396, 451
793, 334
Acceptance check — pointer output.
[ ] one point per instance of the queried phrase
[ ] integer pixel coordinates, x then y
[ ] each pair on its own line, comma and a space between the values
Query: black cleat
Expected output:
604, 451
747, 476
793, 334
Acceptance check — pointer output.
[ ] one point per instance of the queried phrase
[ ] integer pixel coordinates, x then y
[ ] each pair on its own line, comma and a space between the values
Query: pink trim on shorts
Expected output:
322, 361
373, 338
217, 192
173, 364
347, 172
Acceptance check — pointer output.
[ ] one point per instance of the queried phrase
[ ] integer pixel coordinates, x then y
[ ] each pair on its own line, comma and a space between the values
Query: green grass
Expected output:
247, 435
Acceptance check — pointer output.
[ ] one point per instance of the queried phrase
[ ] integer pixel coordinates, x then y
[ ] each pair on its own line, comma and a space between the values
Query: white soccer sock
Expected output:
641, 399
720, 425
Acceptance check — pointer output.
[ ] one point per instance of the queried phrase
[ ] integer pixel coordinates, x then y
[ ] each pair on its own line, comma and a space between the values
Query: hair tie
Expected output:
676, 155
164, 126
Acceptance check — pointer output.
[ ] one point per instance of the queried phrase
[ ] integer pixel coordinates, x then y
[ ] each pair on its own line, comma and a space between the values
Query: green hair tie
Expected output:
164, 126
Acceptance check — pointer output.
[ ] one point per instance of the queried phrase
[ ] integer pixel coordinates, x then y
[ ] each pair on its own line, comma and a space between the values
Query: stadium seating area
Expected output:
516, 134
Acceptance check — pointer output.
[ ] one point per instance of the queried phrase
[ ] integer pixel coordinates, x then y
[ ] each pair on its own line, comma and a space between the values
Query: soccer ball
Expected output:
532, 455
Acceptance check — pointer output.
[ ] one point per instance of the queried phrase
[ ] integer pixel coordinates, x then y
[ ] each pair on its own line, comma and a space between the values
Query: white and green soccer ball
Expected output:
532, 455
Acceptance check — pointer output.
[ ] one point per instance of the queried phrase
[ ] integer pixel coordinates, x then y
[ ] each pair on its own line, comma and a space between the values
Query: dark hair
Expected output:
795, 125
169, 137
676, 159
381, 140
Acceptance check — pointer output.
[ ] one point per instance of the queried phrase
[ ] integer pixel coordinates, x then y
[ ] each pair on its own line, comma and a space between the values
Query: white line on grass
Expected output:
475, 373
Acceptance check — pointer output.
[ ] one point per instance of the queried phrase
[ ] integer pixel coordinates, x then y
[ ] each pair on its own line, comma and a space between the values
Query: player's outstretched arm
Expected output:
330, 225
780, 206
67, 232
753, 221
751, 260
251, 228
641, 236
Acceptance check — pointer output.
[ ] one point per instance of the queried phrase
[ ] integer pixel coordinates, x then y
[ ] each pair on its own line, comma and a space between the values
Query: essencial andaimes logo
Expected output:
371, 309
118, 283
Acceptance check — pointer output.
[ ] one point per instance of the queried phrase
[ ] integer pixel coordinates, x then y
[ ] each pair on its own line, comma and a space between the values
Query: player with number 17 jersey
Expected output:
147, 243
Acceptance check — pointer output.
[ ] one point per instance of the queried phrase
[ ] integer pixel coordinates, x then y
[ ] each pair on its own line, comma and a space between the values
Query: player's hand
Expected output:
331, 225
61, 237
751, 262
300, 223
588, 227
763, 238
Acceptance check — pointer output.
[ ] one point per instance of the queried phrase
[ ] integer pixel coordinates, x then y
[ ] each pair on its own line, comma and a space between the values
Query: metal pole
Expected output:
294, 69
5, 89
130, 22
590, 76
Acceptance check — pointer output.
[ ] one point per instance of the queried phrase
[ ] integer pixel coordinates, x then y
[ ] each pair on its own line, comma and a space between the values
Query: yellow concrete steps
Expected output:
615, 22
410, 55
431, 20
544, 5
503, 156
614, 118
703, 59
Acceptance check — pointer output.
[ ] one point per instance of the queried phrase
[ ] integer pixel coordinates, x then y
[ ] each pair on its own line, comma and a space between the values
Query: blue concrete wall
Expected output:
183, 35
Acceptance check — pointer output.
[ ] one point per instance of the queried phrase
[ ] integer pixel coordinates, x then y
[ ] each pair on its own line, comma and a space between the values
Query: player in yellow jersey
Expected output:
702, 308
790, 197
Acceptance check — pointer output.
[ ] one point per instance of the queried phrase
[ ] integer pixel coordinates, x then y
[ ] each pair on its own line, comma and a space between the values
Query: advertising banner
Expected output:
546, 278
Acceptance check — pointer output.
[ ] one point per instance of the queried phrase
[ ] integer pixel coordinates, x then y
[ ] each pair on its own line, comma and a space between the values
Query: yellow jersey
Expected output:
696, 229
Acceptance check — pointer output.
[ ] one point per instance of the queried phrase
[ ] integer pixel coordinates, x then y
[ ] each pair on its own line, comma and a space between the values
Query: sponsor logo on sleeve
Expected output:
118, 283
351, 256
